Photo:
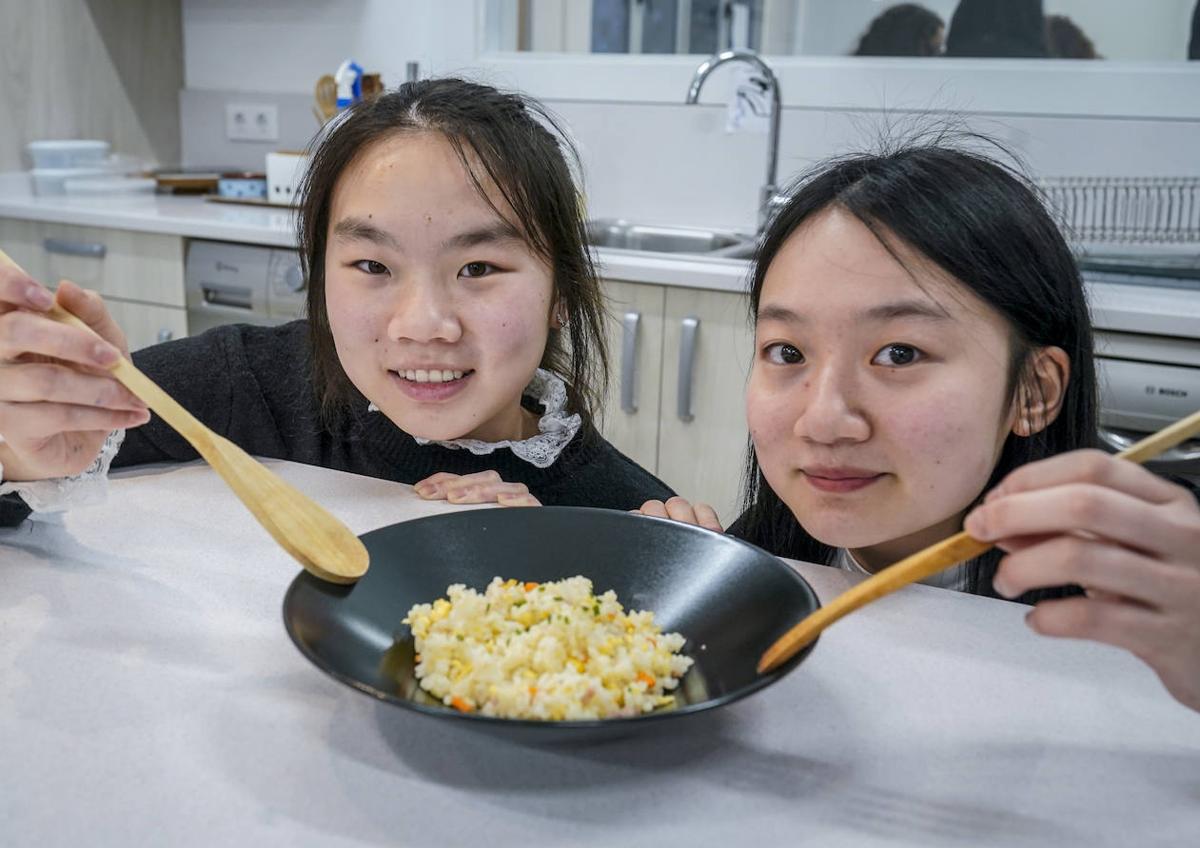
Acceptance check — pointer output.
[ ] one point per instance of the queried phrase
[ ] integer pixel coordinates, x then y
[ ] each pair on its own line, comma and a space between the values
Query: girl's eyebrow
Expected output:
357, 228
771, 312
906, 309
500, 231
882, 312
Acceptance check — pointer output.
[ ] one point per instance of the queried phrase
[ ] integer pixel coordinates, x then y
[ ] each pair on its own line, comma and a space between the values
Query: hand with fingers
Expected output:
1130, 538
681, 509
482, 487
58, 401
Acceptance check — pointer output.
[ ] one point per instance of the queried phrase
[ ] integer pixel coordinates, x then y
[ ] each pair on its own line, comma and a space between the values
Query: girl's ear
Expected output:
1043, 388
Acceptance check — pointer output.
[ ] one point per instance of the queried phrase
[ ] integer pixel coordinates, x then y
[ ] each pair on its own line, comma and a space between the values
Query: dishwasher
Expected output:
1137, 240
228, 283
1146, 314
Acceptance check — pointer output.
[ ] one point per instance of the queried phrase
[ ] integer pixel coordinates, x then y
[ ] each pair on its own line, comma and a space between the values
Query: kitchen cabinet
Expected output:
630, 414
21, 240
139, 274
675, 404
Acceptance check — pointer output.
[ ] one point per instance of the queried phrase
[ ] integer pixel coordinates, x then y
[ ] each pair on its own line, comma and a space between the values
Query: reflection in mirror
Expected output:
1146, 30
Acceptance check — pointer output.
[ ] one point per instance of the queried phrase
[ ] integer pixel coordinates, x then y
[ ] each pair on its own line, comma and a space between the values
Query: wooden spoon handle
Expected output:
148, 391
935, 558
920, 565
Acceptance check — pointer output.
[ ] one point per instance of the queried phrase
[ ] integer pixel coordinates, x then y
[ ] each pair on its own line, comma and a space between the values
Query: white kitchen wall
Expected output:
284, 45
659, 161
273, 51
107, 69
675, 163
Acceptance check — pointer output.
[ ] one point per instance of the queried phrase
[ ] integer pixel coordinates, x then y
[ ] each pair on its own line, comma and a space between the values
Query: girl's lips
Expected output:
839, 481
430, 392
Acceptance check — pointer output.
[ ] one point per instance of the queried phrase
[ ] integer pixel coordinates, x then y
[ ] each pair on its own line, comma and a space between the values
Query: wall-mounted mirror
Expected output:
1130, 30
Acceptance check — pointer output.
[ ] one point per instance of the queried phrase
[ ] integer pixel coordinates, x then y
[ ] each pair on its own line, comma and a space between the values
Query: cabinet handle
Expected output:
66, 247
629, 333
165, 335
687, 360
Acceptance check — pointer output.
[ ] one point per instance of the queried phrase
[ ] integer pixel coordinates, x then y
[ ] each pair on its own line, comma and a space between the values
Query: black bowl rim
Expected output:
441, 711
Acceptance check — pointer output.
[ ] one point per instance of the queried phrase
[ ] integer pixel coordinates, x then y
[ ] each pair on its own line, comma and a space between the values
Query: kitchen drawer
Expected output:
146, 324
145, 267
22, 240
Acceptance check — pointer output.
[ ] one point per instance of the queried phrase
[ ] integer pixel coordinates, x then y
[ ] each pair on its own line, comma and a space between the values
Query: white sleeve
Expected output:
65, 493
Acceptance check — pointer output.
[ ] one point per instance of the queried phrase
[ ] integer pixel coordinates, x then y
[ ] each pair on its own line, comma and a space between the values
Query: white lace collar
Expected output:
956, 578
556, 426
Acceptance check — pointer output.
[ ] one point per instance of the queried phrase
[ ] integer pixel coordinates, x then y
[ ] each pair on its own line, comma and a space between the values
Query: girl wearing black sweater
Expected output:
454, 336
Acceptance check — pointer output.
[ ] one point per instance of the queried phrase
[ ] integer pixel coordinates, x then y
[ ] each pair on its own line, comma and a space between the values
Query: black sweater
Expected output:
252, 385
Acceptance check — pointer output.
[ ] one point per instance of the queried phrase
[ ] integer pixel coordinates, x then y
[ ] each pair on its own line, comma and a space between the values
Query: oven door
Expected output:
226, 284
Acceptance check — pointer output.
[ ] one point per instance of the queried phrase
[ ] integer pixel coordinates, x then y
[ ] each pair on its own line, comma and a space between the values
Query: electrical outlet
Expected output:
251, 122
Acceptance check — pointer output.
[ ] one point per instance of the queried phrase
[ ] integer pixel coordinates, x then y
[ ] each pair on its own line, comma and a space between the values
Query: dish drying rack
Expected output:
1156, 210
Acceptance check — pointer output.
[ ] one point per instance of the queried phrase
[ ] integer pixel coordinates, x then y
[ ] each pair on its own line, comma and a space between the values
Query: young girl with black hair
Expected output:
924, 364
454, 336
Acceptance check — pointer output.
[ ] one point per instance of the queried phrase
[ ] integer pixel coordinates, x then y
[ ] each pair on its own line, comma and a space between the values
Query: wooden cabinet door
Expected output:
22, 241
702, 437
144, 267
630, 415
147, 324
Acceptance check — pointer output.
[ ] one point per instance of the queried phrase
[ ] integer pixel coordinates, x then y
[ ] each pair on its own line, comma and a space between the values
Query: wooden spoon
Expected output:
935, 558
325, 93
323, 545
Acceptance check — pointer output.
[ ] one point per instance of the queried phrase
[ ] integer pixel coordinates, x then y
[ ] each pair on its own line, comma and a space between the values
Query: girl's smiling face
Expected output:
878, 403
439, 310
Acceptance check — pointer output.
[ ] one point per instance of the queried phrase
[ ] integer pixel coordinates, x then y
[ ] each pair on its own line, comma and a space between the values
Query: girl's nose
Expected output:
831, 412
424, 312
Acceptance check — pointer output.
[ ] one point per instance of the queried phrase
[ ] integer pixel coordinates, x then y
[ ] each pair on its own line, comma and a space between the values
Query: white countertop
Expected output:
191, 216
180, 215
150, 695
1136, 309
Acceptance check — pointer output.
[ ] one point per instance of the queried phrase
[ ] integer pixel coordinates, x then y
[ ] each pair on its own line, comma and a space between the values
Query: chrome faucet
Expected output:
767, 195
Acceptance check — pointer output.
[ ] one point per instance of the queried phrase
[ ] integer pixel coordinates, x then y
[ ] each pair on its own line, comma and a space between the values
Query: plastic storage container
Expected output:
245, 185
54, 180
67, 153
110, 185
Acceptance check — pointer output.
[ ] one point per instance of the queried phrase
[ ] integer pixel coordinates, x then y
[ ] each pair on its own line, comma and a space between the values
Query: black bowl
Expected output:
729, 599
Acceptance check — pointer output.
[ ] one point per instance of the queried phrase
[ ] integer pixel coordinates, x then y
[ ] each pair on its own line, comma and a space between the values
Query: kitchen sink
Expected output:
618, 234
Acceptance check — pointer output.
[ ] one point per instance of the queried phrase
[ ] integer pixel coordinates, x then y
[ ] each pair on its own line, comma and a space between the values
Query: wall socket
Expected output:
251, 122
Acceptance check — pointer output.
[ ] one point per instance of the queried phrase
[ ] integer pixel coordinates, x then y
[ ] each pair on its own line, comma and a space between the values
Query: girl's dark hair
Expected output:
1194, 40
504, 140
907, 29
997, 28
981, 223
1065, 40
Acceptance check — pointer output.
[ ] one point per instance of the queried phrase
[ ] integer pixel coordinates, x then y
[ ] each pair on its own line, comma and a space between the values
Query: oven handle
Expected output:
1187, 453
236, 297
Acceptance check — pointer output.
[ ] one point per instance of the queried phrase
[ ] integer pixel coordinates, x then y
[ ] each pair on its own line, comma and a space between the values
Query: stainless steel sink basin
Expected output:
625, 235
